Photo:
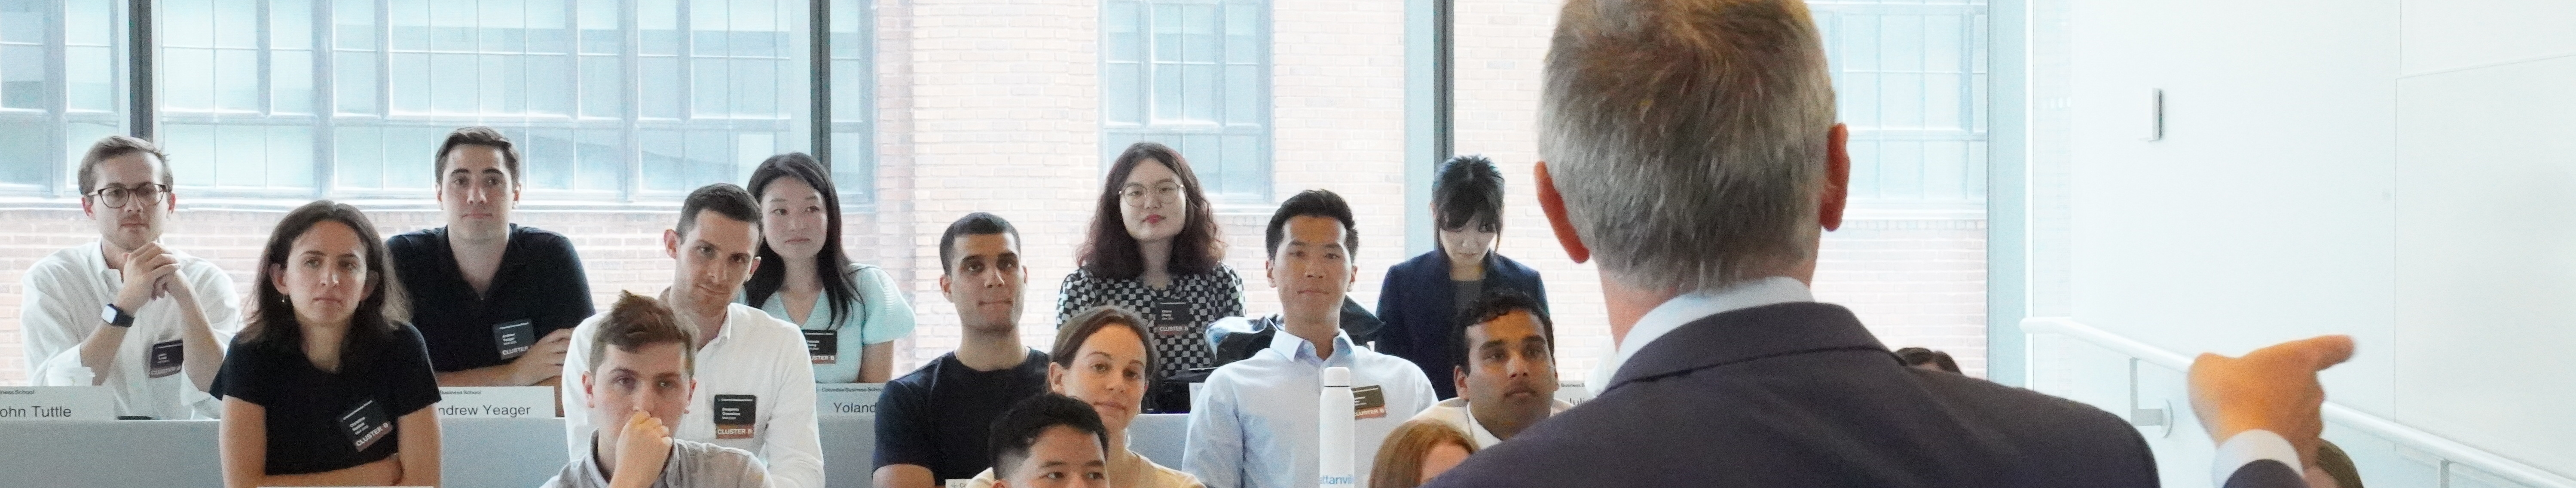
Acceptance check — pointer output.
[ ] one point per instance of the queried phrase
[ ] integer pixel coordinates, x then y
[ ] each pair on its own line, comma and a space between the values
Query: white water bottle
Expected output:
1335, 410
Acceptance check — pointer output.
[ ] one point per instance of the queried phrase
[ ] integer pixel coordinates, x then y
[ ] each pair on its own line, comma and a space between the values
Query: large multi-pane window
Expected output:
608, 99
853, 94
60, 66
1192, 74
1910, 79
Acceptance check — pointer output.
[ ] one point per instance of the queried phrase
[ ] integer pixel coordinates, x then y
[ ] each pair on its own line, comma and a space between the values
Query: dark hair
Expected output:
1311, 203
1494, 305
1109, 252
1468, 187
973, 224
722, 198
1016, 430
1916, 356
113, 146
1070, 336
272, 317
637, 321
478, 136
831, 264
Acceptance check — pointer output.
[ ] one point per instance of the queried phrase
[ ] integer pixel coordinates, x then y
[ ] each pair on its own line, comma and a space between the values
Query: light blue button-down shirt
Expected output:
1257, 425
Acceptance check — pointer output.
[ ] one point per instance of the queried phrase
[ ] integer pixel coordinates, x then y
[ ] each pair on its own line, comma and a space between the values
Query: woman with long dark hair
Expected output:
327, 386
1154, 248
850, 312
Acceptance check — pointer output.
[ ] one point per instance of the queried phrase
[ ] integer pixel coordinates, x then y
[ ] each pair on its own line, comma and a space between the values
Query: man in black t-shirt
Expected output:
496, 302
932, 424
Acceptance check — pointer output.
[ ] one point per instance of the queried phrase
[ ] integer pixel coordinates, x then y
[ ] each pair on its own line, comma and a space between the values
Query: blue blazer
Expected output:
1799, 394
1417, 305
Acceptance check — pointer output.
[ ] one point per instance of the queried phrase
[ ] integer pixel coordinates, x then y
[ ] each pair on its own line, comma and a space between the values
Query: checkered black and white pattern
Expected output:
1210, 296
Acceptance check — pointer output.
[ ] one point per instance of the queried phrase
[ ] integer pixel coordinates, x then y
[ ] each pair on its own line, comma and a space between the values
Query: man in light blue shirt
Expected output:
1257, 425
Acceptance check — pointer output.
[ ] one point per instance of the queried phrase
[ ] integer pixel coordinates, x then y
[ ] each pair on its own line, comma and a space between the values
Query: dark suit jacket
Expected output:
1418, 304
1799, 394
2265, 474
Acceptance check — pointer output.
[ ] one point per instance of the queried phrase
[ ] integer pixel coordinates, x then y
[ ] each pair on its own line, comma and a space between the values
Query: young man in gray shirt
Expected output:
639, 376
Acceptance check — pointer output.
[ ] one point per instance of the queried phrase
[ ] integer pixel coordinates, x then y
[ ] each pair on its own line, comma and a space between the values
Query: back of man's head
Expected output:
724, 199
637, 321
1688, 137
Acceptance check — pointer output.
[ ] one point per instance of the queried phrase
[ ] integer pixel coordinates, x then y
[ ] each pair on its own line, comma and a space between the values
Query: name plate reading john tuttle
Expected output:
847, 399
56, 403
496, 401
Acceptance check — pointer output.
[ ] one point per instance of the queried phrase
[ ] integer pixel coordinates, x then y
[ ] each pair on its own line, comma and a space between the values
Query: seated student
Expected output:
641, 370
1256, 427
495, 300
1420, 296
1417, 451
1102, 358
1505, 369
148, 322
1927, 359
1050, 441
755, 388
850, 312
327, 387
1156, 248
932, 423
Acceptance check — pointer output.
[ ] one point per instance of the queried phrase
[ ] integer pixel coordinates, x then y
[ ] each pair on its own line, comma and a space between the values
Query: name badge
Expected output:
1172, 318
1370, 402
496, 401
366, 424
960, 483
56, 403
824, 345
166, 357
513, 338
735, 415
847, 399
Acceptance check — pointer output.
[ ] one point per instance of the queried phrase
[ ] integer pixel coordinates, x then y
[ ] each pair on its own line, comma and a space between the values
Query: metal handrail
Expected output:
2448, 450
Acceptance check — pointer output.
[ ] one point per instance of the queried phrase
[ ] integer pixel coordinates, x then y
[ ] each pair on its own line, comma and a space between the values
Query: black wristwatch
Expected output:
116, 316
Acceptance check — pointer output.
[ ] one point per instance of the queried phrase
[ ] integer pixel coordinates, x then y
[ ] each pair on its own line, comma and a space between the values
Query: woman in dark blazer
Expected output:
1421, 296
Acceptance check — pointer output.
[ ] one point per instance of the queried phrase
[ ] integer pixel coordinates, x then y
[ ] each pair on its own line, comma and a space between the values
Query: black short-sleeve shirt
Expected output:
941, 415
306, 406
540, 281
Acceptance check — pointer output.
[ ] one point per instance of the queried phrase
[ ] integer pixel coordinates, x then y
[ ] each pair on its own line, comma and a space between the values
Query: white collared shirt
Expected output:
1257, 427
1690, 307
1454, 412
65, 293
753, 354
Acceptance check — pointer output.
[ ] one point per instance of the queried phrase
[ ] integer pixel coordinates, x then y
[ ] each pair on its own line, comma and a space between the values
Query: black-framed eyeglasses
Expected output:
115, 196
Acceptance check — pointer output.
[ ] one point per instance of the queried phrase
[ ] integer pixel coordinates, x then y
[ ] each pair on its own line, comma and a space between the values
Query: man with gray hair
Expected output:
1690, 148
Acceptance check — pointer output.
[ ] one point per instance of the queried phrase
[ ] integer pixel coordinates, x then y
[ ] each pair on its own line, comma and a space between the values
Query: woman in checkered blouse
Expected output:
1154, 249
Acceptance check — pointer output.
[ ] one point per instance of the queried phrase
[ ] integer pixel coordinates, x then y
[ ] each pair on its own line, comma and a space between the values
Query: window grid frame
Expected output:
1151, 129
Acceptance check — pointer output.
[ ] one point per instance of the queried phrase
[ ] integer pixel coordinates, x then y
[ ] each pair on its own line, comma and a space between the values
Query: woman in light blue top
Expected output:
850, 312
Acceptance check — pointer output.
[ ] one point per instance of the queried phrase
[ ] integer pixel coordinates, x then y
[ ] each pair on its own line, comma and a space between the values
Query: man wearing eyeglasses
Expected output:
148, 322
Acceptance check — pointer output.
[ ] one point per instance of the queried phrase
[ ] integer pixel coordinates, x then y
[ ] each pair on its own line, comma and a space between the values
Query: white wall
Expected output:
2403, 171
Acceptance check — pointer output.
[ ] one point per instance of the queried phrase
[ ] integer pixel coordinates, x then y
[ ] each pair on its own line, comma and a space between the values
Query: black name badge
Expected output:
513, 338
366, 424
1369, 402
166, 357
824, 345
735, 415
1172, 318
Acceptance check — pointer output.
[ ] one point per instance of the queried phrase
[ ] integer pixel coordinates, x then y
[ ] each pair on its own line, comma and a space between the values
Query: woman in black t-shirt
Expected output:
327, 386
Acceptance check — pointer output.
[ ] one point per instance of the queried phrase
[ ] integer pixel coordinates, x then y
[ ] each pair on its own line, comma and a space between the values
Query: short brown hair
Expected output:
1399, 459
114, 146
637, 321
478, 136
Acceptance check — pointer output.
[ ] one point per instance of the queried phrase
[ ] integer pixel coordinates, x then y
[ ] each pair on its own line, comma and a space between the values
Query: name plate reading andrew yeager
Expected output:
845, 399
56, 403
496, 401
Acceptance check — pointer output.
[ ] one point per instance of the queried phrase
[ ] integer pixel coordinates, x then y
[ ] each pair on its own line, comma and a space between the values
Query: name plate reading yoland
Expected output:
496, 401
847, 399
56, 403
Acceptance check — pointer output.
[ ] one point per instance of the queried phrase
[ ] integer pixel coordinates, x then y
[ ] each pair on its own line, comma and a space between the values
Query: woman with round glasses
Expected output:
1154, 248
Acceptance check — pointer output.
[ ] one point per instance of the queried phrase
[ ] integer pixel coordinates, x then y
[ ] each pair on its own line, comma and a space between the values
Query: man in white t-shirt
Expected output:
755, 381
148, 322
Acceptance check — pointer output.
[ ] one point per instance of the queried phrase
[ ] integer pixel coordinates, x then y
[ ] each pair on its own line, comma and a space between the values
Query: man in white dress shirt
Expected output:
755, 381
150, 323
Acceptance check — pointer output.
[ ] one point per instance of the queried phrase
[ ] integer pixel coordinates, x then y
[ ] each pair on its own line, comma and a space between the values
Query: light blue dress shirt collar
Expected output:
1298, 349
1690, 307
